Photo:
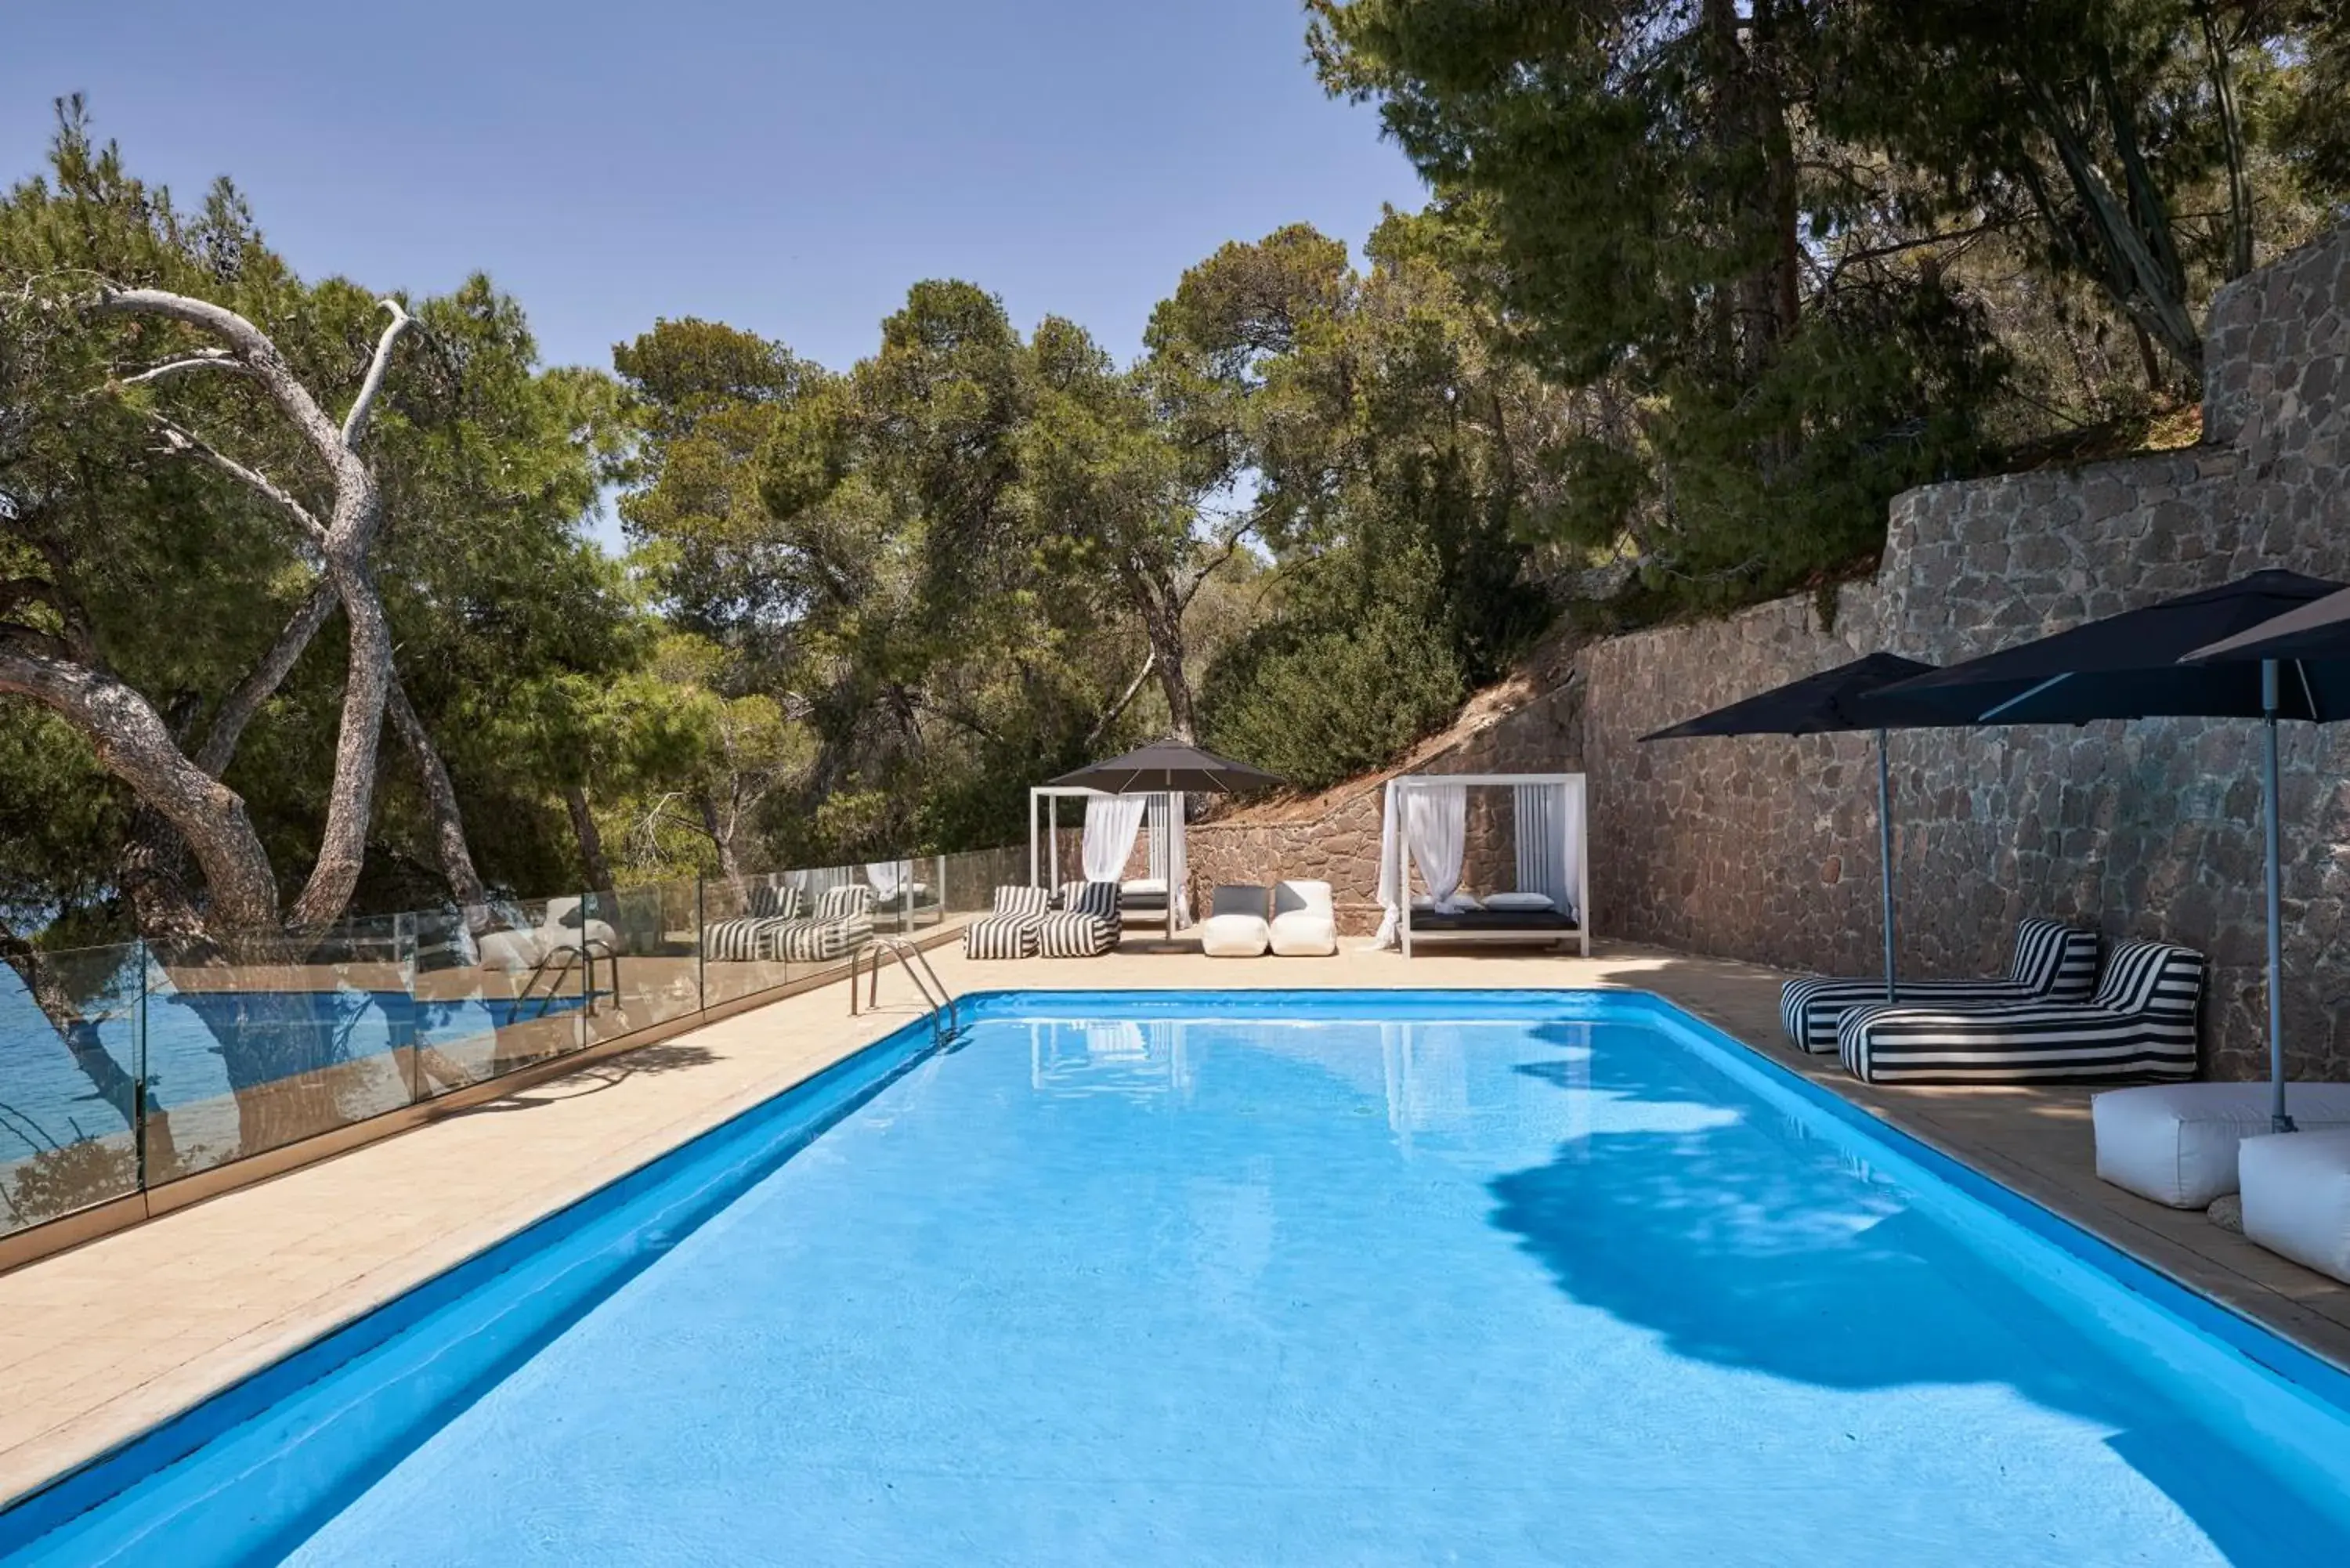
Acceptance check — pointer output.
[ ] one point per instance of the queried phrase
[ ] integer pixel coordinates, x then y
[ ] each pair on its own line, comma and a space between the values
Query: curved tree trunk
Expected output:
133, 744
592, 862
447, 818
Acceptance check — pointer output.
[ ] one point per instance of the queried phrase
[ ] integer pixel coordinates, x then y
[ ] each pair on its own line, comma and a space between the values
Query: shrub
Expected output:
1319, 704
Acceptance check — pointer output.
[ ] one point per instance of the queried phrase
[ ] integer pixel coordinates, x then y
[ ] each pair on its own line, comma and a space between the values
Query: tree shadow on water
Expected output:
1747, 1243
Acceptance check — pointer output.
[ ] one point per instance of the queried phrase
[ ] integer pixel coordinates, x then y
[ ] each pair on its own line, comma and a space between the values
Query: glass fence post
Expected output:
404, 954
139, 1078
587, 968
701, 951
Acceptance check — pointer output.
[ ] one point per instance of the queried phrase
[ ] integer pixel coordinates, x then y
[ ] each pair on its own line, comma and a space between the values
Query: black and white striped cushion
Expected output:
2053, 962
1000, 937
1089, 899
2139, 1027
1070, 933
807, 941
736, 941
1029, 902
842, 903
776, 902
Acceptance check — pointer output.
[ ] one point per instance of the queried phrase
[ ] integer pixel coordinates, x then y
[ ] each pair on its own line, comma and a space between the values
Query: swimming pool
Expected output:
1249, 1278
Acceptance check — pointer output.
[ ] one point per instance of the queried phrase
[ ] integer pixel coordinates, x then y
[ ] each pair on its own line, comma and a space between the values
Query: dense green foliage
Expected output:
1802, 248
173, 576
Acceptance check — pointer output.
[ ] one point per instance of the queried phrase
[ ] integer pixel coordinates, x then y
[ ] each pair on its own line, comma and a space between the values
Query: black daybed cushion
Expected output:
1491, 920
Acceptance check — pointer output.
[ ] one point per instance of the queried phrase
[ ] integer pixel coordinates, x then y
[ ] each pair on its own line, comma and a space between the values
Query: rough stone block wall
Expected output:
1766, 848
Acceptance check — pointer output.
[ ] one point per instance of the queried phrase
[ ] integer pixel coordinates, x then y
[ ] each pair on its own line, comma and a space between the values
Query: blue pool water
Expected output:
1497, 1278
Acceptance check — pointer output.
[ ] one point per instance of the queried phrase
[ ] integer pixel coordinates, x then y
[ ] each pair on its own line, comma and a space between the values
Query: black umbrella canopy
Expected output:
1165, 765
2127, 666
1830, 702
2319, 629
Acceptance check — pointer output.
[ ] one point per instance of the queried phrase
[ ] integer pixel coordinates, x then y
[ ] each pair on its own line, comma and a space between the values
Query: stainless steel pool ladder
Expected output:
556, 967
946, 1018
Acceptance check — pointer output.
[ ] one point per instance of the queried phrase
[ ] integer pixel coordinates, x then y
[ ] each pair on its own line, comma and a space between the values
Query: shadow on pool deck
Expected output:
671, 1056
1749, 1245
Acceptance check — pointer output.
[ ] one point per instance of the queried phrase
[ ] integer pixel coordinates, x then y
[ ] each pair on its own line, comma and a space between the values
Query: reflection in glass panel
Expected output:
266, 1040
647, 967
491, 1001
909, 895
69, 1074
744, 920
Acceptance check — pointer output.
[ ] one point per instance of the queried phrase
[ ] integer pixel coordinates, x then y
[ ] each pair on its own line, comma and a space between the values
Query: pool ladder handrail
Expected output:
946, 1015
556, 967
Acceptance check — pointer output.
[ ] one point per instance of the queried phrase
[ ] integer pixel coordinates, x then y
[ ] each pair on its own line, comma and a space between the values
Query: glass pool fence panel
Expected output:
255, 1041
743, 921
647, 946
969, 880
70, 1074
502, 997
131, 1065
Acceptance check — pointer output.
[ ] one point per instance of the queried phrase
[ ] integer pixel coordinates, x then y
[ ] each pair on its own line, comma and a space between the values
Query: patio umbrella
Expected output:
1166, 766
1834, 702
2128, 666
2307, 652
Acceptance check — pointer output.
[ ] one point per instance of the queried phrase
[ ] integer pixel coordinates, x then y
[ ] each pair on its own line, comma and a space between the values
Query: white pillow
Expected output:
1519, 902
1460, 902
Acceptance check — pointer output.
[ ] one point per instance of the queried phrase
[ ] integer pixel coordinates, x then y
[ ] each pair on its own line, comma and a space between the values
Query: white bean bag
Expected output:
2176, 1143
2297, 1197
1305, 923
512, 951
1235, 926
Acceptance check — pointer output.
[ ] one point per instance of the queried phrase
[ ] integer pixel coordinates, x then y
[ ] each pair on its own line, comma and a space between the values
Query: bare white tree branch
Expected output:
179, 439
239, 707
355, 423
205, 359
251, 347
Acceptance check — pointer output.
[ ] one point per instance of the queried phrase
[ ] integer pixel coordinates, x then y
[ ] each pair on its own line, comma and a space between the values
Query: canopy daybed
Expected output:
1112, 822
1425, 824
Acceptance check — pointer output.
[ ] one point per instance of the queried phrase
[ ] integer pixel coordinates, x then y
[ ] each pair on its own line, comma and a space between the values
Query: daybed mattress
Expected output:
1482, 922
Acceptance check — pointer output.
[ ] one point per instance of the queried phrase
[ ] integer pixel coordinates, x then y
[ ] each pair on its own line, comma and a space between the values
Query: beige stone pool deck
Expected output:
102, 1342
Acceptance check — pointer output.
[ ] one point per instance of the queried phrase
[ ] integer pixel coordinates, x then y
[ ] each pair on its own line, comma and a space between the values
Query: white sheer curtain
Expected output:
1111, 822
1548, 855
1179, 864
886, 877
1436, 826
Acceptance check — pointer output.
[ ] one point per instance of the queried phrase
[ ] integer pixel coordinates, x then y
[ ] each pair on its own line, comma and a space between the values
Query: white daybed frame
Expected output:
1575, 868
1170, 828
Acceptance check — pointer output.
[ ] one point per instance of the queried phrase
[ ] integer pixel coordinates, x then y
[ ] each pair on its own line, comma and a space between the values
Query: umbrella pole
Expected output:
2278, 1120
1885, 852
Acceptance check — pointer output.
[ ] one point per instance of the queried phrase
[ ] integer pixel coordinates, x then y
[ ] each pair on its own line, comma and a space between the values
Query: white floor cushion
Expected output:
2176, 1143
1235, 936
2297, 1197
1303, 933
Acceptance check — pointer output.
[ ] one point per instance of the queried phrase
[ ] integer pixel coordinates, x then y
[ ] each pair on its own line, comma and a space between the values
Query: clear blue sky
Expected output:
789, 168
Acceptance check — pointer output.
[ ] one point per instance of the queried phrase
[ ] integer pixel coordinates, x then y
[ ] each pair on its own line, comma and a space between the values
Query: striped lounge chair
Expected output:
2053, 962
842, 923
1010, 931
2139, 1027
746, 938
1085, 925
